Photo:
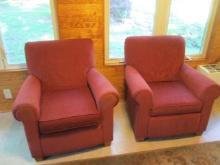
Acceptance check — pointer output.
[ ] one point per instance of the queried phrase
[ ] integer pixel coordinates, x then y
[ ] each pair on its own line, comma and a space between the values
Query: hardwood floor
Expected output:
13, 146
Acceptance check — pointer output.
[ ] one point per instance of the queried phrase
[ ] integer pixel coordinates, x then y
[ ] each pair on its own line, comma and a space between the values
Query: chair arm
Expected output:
203, 87
138, 87
27, 103
106, 96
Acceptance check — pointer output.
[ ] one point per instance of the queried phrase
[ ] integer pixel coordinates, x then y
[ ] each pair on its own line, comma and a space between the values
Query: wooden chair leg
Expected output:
199, 133
39, 159
107, 144
139, 139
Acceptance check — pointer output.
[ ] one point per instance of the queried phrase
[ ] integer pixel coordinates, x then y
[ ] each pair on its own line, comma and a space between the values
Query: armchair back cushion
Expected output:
156, 58
60, 64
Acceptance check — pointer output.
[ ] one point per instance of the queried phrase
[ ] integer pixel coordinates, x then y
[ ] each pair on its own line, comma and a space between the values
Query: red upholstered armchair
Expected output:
65, 104
165, 97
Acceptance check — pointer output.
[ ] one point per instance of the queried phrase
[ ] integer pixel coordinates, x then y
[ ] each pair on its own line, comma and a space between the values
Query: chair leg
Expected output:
139, 138
107, 144
199, 133
39, 159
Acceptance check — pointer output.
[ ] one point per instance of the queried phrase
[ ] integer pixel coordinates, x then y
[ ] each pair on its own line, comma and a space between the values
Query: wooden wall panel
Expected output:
85, 19
12, 80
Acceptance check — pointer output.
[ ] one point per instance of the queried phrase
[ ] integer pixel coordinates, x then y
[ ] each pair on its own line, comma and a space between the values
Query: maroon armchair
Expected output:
165, 97
65, 104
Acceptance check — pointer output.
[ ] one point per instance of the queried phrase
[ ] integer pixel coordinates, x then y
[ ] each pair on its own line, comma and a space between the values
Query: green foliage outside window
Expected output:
120, 9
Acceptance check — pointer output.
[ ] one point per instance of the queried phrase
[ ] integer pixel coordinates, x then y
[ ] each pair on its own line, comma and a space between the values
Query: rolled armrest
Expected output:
203, 87
106, 96
138, 87
27, 103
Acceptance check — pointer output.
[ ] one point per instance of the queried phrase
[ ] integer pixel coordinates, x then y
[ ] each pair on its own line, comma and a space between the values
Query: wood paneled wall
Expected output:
13, 81
85, 19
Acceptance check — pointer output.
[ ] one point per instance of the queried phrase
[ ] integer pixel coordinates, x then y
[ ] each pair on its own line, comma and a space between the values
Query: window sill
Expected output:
197, 59
120, 62
115, 62
13, 70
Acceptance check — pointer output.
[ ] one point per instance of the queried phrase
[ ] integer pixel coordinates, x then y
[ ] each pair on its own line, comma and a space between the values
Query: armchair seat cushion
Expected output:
66, 110
172, 98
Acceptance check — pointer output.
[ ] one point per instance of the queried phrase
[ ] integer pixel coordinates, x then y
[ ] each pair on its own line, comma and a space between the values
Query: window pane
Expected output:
127, 18
190, 19
22, 21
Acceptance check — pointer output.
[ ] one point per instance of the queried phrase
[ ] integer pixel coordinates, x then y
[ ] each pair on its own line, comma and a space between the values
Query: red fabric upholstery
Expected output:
139, 101
71, 140
174, 125
28, 97
202, 87
139, 89
156, 58
165, 97
105, 95
171, 98
26, 108
66, 110
106, 98
71, 59
64, 104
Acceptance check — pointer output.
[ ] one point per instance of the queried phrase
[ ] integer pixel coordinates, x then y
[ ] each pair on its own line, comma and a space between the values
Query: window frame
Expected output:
108, 61
3, 58
160, 27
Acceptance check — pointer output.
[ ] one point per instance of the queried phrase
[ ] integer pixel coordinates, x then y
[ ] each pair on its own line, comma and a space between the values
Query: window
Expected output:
129, 17
190, 19
22, 21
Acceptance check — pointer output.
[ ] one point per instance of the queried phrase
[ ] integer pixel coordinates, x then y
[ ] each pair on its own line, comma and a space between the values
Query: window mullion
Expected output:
2, 64
212, 16
162, 17
2, 55
53, 7
107, 24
